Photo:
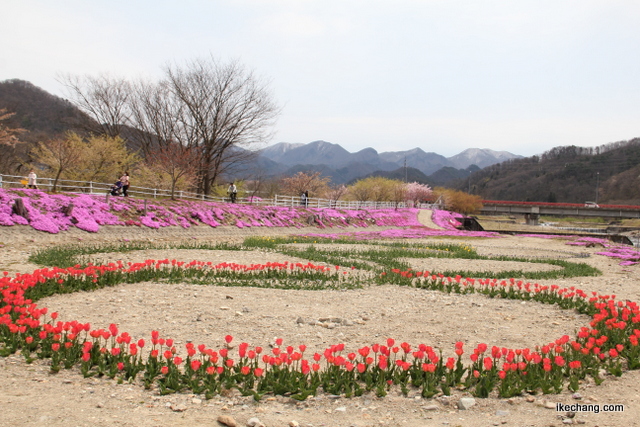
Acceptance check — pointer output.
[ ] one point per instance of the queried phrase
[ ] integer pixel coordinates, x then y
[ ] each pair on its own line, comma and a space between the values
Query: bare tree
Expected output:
177, 162
224, 106
214, 109
104, 98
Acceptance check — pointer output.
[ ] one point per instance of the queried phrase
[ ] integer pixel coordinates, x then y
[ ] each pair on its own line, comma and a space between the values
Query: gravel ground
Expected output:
30, 395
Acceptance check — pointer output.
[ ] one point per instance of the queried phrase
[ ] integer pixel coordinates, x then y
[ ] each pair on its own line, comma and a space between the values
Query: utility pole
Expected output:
405, 169
597, 185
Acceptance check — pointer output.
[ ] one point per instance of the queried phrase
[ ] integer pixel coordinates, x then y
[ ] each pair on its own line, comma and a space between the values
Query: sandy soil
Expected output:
30, 395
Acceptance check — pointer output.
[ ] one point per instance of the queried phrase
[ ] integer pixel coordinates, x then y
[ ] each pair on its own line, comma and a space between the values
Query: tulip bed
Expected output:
608, 343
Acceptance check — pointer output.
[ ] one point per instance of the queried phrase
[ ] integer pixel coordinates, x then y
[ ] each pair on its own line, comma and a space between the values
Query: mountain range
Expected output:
342, 166
45, 116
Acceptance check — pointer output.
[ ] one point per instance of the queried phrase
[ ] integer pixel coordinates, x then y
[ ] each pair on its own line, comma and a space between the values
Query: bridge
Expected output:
533, 210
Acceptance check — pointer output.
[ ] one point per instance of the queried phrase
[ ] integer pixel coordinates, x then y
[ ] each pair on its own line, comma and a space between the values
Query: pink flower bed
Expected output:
48, 212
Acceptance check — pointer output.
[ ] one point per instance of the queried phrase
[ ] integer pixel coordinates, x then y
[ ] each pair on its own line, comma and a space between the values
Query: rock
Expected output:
227, 421
432, 407
178, 408
501, 413
196, 401
549, 405
300, 320
567, 421
254, 422
225, 308
341, 409
576, 396
465, 403
294, 423
530, 399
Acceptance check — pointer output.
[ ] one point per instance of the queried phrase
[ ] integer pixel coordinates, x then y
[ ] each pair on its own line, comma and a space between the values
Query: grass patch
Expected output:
384, 257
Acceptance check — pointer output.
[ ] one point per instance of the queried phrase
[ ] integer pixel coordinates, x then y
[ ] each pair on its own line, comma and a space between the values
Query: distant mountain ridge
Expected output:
332, 159
45, 116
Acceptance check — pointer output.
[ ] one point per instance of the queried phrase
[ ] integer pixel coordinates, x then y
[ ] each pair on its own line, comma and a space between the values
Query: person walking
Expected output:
306, 199
31, 179
232, 191
124, 179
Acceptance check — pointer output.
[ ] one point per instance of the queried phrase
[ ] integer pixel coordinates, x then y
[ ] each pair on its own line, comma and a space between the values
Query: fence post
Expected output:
155, 193
90, 187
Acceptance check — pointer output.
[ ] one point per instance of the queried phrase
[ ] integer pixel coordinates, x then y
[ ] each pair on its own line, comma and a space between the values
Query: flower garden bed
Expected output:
608, 342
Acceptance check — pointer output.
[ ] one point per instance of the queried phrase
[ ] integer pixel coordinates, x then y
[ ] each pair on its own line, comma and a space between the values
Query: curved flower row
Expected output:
609, 342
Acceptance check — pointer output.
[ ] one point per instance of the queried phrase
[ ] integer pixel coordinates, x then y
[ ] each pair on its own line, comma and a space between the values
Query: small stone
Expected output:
341, 409
567, 421
294, 423
225, 308
465, 403
238, 313
196, 401
178, 408
254, 422
501, 413
331, 325
530, 399
245, 310
300, 320
432, 407
549, 405
228, 297
227, 421
577, 396
100, 405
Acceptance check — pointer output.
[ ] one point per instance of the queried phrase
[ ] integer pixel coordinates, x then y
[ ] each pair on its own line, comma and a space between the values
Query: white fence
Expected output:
69, 186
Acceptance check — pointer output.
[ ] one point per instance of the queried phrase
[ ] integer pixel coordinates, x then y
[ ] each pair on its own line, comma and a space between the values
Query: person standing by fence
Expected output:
32, 179
124, 179
232, 191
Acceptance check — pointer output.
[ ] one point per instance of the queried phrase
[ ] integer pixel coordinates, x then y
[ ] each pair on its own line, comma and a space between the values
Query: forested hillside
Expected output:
567, 174
40, 114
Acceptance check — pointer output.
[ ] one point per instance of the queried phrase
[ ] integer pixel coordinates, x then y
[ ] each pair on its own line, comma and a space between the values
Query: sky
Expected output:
522, 76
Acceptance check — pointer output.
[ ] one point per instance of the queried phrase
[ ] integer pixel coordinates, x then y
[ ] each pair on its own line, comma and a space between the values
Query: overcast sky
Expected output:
522, 76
